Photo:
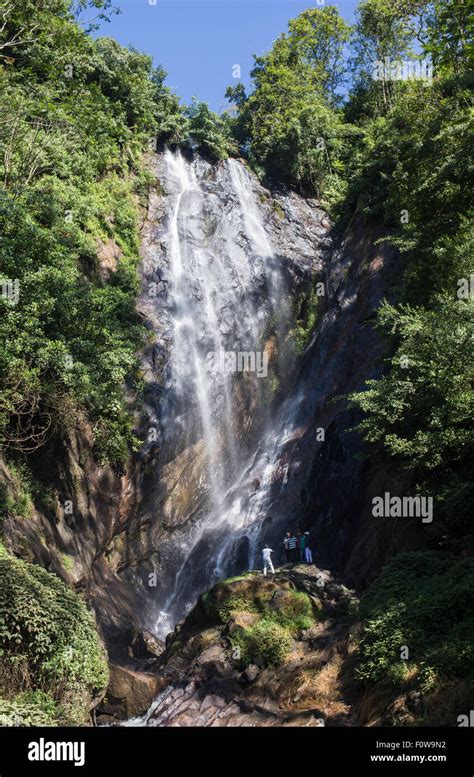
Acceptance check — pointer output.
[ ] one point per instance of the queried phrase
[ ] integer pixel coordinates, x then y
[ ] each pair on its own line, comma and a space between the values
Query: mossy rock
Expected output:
259, 616
247, 593
262, 619
242, 620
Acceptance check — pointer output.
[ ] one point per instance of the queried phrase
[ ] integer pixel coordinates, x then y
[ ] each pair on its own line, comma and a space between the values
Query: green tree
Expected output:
289, 125
317, 38
77, 115
208, 132
421, 412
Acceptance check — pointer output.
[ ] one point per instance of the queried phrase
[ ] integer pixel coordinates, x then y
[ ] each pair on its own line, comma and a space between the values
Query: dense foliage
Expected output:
415, 171
76, 115
421, 412
289, 125
52, 663
420, 602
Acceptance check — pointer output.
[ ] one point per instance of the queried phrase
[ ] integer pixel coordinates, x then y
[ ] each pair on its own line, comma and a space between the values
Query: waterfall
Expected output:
224, 286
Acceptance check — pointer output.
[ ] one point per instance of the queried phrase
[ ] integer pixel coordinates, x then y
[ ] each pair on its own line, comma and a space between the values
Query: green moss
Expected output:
278, 614
48, 643
67, 562
216, 605
235, 604
17, 500
267, 642
237, 578
305, 318
175, 647
281, 614
295, 613
278, 209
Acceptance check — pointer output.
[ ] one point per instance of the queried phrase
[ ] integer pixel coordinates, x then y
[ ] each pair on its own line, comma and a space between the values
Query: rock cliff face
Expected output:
80, 532
229, 459
228, 267
245, 269
326, 486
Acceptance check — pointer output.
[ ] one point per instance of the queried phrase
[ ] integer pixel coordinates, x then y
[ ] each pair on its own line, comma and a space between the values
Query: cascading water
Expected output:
224, 288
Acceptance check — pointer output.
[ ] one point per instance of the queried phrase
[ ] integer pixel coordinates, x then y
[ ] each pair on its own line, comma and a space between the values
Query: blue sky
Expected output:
198, 42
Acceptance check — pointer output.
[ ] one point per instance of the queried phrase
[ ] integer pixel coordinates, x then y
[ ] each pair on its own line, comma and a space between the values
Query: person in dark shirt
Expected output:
301, 546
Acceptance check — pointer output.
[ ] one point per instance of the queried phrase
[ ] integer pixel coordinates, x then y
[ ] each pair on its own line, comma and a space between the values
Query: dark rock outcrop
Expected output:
325, 486
209, 687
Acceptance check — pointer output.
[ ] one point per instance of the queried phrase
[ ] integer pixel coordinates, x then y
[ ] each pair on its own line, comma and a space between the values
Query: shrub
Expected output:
49, 646
422, 600
35, 708
266, 642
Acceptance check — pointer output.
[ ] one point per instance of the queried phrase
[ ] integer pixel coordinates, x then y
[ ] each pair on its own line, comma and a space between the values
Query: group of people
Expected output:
296, 546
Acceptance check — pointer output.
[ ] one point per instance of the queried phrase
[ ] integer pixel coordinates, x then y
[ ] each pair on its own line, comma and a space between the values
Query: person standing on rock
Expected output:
307, 551
292, 547
267, 559
287, 547
301, 546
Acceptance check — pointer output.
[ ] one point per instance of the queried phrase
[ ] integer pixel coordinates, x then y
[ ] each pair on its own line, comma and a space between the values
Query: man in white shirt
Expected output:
267, 559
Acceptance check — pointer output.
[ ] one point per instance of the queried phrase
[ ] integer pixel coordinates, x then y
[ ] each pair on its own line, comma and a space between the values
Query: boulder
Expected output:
146, 645
130, 693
